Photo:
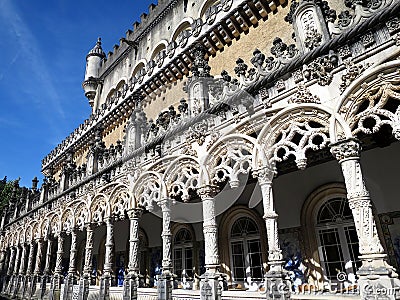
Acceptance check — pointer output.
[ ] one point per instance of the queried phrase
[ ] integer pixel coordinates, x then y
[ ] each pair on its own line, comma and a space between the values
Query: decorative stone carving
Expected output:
303, 95
320, 69
207, 194
368, 39
88, 250
166, 234
347, 152
134, 216
352, 72
198, 132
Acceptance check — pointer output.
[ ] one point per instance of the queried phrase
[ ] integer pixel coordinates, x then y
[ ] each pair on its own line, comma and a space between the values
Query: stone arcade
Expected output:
235, 150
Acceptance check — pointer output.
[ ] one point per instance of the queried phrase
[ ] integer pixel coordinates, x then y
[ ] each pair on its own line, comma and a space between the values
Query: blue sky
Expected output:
43, 45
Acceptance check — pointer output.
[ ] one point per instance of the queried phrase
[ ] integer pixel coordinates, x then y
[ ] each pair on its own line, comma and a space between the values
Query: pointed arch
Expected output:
120, 200
68, 219
231, 156
183, 177
294, 131
100, 208
372, 101
149, 189
81, 212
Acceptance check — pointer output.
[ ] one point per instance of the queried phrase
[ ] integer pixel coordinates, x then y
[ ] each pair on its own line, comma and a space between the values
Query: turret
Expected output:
93, 64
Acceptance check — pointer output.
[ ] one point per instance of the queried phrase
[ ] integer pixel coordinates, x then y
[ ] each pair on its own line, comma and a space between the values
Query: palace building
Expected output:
236, 149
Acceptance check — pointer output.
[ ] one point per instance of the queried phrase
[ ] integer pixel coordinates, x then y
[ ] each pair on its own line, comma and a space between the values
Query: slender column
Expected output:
39, 255
58, 266
164, 285
48, 257
374, 273
87, 270
72, 257
166, 235
265, 177
348, 154
107, 273
27, 281
22, 267
130, 284
38, 266
109, 248
12, 261
15, 272
210, 230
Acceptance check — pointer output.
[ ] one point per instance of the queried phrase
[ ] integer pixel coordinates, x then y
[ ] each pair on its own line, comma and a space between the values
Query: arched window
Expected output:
337, 238
183, 253
246, 257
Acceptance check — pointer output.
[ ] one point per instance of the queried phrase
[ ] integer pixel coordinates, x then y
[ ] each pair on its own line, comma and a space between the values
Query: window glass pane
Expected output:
332, 252
238, 261
255, 259
244, 226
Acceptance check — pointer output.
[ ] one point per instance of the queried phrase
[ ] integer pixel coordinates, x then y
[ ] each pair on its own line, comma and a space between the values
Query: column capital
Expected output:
264, 175
207, 191
165, 204
345, 149
135, 213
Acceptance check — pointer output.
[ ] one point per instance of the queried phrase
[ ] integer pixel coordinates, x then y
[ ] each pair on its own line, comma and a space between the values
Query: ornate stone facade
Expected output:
213, 172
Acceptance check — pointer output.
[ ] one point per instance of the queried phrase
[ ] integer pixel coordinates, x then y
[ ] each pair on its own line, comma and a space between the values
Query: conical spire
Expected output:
97, 50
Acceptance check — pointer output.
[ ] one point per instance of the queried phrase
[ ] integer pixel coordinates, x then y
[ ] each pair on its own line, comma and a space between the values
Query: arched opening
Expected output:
337, 238
246, 253
183, 256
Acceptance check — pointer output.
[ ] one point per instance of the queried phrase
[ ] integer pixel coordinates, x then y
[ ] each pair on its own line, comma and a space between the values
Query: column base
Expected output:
84, 285
105, 283
377, 279
130, 287
69, 282
277, 282
164, 286
211, 285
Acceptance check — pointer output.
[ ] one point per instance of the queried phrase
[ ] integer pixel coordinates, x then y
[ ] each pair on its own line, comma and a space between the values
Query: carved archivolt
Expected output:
149, 189
230, 157
182, 177
292, 133
68, 220
373, 101
81, 215
120, 201
100, 208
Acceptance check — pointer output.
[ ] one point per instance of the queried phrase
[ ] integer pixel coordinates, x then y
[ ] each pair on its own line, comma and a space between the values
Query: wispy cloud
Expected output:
28, 49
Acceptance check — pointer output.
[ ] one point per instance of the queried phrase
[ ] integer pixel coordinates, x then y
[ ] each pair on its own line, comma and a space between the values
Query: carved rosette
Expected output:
207, 194
134, 216
348, 153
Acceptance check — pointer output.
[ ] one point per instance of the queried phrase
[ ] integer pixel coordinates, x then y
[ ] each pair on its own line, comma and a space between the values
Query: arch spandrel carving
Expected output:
100, 208
149, 189
182, 176
81, 211
120, 201
372, 101
294, 131
231, 156
55, 224
68, 220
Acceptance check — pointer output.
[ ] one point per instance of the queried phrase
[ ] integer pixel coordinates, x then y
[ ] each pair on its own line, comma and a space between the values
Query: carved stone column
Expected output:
374, 272
28, 277
22, 268
107, 273
130, 287
38, 266
87, 269
210, 281
58, 267
164, 285
276, 276
210, 231
46, 272
71, 278
14, 281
